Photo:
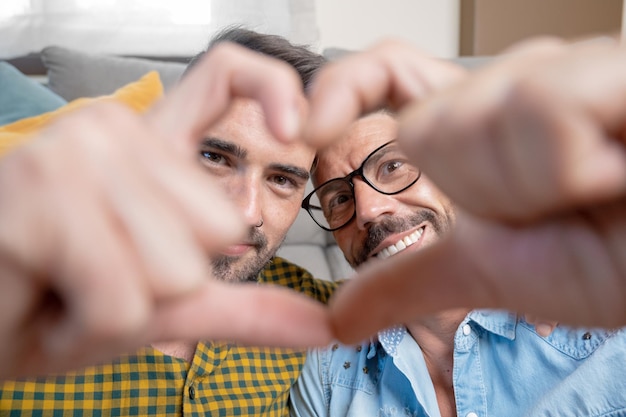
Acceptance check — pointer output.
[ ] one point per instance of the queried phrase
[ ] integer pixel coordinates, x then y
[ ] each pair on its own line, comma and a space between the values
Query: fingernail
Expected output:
543, 329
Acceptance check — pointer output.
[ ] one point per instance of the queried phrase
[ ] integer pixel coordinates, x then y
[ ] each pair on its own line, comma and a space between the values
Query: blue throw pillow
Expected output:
22, 97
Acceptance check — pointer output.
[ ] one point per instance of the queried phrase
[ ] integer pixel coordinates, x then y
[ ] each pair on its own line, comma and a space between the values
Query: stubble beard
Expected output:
235, 269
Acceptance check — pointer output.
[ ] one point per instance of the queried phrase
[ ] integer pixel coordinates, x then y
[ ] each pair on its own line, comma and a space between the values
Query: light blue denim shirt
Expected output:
502, 367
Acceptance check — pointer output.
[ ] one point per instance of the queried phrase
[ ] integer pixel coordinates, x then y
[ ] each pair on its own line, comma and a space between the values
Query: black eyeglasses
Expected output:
387, 170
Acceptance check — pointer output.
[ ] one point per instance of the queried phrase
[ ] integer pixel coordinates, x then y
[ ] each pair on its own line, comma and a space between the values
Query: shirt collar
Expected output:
500, 322
390, 339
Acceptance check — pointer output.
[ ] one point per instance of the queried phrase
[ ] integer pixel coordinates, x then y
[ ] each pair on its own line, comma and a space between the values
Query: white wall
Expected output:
356, 24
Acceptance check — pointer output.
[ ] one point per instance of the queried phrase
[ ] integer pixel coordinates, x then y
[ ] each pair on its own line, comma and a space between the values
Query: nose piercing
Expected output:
260, 223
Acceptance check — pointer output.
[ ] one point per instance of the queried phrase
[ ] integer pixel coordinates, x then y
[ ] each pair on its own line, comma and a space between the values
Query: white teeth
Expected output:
400, 245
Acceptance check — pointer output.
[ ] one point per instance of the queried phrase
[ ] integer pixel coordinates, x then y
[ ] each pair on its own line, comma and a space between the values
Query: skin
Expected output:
372, 207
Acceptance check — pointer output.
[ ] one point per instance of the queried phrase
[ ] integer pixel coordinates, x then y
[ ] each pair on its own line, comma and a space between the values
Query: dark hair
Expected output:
300, 57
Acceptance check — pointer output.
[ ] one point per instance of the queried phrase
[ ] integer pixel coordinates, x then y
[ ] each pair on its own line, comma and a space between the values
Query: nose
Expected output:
247, 194
370, 205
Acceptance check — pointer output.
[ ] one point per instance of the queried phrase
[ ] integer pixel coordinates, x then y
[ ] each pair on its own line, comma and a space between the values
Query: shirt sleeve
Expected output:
307, 394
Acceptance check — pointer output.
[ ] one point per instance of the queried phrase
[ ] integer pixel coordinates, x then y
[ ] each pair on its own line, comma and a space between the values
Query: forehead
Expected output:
357, 142
244, 126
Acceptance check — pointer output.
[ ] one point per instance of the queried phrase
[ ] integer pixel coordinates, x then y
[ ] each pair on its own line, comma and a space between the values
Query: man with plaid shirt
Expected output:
267, 180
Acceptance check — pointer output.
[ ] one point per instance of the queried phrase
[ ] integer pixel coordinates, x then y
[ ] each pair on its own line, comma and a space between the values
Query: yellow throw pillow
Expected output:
138, 95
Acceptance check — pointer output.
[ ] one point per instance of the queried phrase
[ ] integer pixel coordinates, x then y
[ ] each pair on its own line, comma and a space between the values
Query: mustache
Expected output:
223, 263
257, 238
391, 225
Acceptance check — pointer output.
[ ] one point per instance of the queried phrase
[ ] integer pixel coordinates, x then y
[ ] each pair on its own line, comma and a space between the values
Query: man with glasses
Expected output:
457, 362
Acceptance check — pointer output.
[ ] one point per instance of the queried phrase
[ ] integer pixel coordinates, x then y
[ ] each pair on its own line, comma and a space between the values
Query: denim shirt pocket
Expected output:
350, 368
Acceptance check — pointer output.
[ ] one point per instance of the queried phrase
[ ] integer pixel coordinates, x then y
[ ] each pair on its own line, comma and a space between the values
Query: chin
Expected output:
237, 269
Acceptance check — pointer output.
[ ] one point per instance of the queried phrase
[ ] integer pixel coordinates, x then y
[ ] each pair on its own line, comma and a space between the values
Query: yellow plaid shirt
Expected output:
224, 379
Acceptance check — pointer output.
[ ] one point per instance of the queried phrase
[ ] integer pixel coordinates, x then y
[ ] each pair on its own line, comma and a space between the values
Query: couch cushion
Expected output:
73, 74
138, 95
22, 97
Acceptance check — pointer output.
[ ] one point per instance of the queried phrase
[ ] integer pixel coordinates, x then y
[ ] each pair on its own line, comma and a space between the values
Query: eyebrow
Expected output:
241, 153
293, 170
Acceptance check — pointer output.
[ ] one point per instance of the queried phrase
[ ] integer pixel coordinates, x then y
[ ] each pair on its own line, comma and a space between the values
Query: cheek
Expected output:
433, 193
427, 195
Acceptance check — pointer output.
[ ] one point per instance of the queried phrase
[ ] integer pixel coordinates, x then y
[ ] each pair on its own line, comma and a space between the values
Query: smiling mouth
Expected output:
401, 245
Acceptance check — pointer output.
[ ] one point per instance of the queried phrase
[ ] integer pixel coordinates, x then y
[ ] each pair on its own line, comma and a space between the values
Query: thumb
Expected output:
397, 290
289, 318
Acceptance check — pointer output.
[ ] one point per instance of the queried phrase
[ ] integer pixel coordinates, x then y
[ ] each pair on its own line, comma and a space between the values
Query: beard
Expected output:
237, 269
390, 225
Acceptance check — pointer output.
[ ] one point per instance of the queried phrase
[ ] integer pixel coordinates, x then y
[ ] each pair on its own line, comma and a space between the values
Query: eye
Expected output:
212, 157
338, 200
280, 180
284, 181
391, 166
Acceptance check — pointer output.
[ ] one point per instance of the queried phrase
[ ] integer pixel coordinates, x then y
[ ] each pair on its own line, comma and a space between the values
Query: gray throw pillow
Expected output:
73, 74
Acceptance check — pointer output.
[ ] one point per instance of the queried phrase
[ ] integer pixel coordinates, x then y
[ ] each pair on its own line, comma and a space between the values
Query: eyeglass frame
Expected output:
348, 178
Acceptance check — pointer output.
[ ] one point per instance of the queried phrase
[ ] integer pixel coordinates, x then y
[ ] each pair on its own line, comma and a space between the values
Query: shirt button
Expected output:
467, 329
472, 414
192, 393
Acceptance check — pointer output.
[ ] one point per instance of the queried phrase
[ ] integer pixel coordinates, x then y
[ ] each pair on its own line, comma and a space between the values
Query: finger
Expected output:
170, 244
543, 328
482, 265
564, 121
225, 72
517, 141
557, 155
17, 300
181, 184
98, 281
388, 293
471, 106
289, 319
150, 190
155, 190
391, 73
61, 248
